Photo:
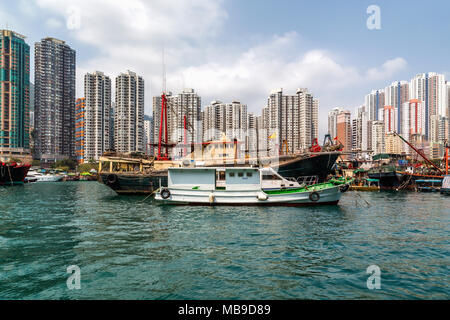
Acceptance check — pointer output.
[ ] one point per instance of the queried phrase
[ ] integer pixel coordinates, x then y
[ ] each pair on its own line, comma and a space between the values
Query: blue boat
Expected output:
428, 185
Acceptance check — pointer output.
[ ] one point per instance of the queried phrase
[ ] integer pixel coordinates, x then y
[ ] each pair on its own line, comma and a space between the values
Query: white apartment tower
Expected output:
129, 113
229, 119
375, 102
395, 96
432, 90
97, 91
378, 135
293, 118
332, 122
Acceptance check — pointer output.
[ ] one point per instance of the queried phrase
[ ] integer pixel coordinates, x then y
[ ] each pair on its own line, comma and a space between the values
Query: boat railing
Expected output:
307, 180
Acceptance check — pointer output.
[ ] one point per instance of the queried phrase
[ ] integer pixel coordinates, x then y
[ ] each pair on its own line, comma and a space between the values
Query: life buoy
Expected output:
165, 193
111, 178
314, 196
344, 188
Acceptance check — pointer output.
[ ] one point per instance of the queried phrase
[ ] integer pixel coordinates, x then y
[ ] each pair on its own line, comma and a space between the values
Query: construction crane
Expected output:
419, 152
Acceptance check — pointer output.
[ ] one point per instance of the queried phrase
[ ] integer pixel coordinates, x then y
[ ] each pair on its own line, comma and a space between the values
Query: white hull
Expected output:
48, 178
248, 197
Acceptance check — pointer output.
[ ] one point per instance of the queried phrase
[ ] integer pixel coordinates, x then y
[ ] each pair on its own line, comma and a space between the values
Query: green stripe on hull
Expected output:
316, 187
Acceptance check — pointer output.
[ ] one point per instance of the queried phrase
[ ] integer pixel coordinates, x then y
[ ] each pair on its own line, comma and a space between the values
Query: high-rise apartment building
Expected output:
229, 119
129, 113
214, 121
375, 102
359, 142
332, 122
148, 135
293, 119
14, 94
251, 144
378, 135
80, 129
432, 90
97, 91
390, 115
393, 144
395, 95
54, 105
344, 129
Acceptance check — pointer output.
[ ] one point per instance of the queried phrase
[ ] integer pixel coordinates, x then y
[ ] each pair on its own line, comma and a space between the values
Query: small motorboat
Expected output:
445, 188
244, 186
367, 184
428, 185
34, 176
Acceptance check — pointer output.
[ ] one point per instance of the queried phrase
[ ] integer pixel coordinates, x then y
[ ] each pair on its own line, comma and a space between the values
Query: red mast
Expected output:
163, 126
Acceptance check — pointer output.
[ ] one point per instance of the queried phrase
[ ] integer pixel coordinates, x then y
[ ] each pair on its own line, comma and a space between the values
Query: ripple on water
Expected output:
131, 249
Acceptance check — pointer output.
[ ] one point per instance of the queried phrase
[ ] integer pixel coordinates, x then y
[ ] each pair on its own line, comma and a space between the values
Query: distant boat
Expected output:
34, 176
428, 185
244, 186
366, 184
445, 189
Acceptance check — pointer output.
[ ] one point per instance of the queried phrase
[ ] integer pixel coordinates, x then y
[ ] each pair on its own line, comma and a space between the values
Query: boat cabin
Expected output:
233, 178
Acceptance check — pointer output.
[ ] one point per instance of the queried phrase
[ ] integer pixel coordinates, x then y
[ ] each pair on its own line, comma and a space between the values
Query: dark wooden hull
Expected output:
393, 180
123, 183
315, 165
13, 174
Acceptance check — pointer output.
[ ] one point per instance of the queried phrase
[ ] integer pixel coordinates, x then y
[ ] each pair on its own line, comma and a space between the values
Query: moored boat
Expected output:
445, 188
244, 186
40, 177
366, 184
13, 173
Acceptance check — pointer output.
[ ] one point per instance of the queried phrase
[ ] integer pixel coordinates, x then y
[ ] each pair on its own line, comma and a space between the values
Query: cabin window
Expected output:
249, 174
270, 177
231, 174
240, 174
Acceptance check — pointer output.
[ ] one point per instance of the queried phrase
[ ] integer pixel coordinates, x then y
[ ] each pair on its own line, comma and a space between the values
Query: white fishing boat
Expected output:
244, 186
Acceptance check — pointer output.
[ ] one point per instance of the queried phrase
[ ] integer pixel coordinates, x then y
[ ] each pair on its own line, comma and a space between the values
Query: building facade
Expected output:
97, 91
129, 113
80, 129
378, 136
148, 135
14, 94
54, 107
344, 129
292, 119
375, 102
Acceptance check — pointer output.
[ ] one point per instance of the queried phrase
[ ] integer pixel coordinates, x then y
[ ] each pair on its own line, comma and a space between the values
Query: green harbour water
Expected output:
128, 248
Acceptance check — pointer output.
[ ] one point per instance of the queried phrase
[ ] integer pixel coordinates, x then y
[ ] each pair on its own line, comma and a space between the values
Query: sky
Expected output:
241, 50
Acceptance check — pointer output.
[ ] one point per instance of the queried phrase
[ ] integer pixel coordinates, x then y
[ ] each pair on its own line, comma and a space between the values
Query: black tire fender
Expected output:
344, 188
111, 178
165, 193
314, 196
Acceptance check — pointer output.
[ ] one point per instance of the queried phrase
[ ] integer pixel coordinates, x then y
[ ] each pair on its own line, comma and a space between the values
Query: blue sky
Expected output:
242, 49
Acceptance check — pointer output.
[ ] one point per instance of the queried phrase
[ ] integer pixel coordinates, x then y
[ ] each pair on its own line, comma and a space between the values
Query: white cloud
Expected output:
387, 70
53, 23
